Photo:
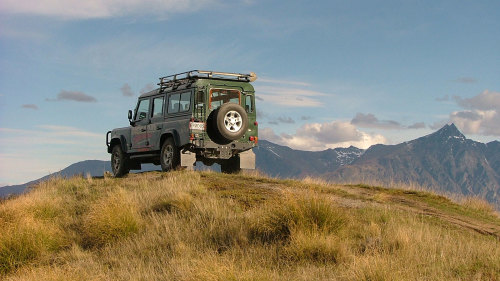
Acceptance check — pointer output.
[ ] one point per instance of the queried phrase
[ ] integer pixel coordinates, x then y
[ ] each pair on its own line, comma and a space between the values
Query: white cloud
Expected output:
370, 121
21, 33
127, 90
481, 115
177, 54
443, 98
477, 122
68, 131
73, 9
73, 96
148, 87
321, 136
486, 100
288, 93
290, 97
47, 134
283, 82
418, 125
30, 106
466, 80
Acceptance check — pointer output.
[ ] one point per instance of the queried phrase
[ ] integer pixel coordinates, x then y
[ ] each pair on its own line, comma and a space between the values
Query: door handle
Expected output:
143, 130
158, 127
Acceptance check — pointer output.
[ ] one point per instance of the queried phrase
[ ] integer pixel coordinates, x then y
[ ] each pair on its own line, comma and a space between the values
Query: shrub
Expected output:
27, 241
312, 213
179, 203
315, 247
478, 205
109, 219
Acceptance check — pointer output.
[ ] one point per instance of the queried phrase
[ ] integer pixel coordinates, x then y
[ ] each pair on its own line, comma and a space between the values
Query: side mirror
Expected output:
132, 123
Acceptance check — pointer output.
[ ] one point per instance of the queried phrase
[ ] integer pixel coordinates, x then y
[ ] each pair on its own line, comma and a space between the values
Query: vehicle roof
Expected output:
200, 81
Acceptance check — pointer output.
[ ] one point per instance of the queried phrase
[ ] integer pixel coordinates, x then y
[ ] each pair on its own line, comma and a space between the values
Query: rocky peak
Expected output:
448, 132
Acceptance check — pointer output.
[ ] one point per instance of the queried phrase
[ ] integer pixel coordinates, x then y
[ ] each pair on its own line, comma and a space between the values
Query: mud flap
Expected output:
247, 160
188, 159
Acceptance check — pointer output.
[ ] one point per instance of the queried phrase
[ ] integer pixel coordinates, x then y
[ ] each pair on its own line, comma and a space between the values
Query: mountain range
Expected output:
444, 161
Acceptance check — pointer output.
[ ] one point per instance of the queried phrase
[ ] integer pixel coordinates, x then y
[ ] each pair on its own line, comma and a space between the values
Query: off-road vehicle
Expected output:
193, 116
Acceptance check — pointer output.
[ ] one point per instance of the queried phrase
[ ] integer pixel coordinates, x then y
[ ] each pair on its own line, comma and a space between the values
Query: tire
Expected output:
231, 121
119, 162
169, 156
231, 165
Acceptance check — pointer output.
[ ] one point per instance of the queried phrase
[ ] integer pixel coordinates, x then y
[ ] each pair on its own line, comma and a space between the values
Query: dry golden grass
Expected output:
208, 226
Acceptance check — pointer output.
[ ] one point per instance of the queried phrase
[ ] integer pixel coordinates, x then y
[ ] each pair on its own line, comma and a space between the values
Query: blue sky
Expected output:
331, 73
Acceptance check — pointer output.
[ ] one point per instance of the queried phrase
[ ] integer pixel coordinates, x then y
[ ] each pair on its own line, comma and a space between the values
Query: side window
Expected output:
142, 110
158, 107
179, 102
219, 97
185, 101
173, 103
249, 103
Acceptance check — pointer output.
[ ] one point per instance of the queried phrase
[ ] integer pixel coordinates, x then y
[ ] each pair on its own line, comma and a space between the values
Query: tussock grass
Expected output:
479, 205
110, 218
208, 226
311, 213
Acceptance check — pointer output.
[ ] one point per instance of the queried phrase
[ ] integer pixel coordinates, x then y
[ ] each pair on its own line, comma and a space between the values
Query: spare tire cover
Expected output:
231, 121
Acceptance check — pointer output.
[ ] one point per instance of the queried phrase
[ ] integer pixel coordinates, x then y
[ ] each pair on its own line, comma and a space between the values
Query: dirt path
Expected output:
420, 207
455, 219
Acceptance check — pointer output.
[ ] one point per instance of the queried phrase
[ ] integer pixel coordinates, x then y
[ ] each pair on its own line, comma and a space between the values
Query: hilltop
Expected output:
211, 226
444, 161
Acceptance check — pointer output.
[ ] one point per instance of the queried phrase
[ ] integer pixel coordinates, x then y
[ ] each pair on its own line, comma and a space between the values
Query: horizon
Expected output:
330, 74
364, 150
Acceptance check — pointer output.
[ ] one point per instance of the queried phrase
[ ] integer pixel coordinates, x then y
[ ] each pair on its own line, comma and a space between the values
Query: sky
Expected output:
331, 73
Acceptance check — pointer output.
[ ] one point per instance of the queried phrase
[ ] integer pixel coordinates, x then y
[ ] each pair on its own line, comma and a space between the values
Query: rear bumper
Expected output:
222, 151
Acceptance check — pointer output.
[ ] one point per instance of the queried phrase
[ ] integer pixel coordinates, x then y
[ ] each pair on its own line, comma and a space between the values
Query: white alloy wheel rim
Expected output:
233, 121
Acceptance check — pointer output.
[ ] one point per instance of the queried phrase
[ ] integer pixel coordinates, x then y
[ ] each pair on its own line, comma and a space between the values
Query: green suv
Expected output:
193, 116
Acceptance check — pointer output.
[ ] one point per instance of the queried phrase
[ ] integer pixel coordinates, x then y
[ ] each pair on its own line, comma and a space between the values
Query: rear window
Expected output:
249, 103
219, 97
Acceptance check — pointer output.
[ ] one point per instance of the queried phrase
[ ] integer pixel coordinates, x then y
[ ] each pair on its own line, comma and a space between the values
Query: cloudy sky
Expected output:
331, 73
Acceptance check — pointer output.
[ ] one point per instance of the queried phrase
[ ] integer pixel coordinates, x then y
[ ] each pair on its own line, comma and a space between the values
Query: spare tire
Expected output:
231, 121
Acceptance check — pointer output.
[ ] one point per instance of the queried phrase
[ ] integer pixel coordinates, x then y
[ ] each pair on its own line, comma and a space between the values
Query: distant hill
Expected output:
93, 168
444, 161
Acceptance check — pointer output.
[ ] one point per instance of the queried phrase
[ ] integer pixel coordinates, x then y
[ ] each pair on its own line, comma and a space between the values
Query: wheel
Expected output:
231, 121
119, 162
231, 165
169, 156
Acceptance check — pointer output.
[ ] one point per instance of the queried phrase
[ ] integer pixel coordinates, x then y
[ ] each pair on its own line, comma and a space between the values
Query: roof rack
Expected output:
166, 81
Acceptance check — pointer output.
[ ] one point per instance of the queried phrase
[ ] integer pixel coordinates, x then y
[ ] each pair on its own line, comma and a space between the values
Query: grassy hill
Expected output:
210, 226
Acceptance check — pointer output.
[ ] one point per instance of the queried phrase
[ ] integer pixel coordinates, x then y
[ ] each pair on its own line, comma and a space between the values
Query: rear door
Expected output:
179, 112
140, 137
